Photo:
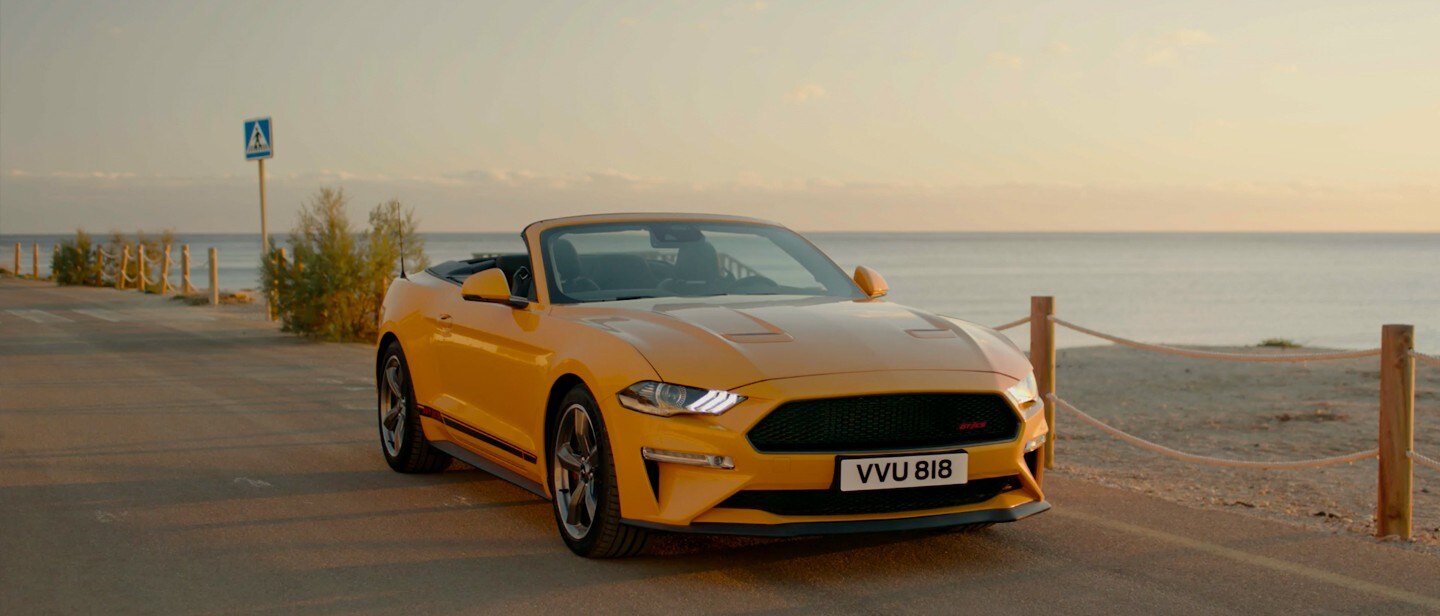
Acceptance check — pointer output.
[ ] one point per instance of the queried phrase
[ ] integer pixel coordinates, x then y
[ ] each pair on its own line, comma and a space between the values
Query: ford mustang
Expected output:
711, 374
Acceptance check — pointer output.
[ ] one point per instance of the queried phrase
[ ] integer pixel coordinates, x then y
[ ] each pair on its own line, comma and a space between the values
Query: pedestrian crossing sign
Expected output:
259, 142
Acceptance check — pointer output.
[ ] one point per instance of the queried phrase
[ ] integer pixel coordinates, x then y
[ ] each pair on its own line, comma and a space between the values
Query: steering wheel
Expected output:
752, 283
520, 286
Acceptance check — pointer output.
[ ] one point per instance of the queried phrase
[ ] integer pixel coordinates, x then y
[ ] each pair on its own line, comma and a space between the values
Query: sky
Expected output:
484, 116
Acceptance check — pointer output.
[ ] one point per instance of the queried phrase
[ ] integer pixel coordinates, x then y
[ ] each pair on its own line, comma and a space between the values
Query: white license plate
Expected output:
936, 469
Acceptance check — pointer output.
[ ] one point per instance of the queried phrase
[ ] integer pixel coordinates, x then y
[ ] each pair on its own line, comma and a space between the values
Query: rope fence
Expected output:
145, 270
1421, 459
1395, 452
1011, 325
1212, 461
1424, 460
1250, 357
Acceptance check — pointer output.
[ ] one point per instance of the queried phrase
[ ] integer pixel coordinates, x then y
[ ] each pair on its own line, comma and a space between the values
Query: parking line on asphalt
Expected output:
102, 314
39, 316
1258, 560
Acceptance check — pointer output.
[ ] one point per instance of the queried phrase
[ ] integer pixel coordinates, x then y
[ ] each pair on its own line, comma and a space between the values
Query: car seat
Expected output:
697, 269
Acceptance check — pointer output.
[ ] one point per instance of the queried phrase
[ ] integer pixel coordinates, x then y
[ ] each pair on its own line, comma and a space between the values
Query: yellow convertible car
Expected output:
707, 374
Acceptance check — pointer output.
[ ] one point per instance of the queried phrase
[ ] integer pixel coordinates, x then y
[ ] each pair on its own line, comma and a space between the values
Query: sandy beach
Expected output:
1244, 411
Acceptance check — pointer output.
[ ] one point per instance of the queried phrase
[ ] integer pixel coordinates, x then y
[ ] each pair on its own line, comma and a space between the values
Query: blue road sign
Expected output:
259, 142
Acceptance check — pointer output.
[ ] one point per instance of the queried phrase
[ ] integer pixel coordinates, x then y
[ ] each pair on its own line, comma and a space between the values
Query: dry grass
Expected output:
226, 297
1279, 343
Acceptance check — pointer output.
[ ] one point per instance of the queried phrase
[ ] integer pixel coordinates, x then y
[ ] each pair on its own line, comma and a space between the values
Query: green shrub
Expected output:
70, 261
1279, 343
333, 281
77, 262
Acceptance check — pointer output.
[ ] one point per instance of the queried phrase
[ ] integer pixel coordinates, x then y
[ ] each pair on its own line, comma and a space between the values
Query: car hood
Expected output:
729, 342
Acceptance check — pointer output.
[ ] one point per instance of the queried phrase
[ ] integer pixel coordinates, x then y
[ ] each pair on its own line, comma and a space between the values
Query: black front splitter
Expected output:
800, 529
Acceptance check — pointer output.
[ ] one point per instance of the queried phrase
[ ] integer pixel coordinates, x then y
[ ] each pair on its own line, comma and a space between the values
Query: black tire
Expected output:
412, 453
605, 536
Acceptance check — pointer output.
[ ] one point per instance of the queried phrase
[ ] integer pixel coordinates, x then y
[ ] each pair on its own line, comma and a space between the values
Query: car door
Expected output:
495, 373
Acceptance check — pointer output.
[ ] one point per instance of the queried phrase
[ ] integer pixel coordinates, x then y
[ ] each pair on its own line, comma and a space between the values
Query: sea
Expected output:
1316, 289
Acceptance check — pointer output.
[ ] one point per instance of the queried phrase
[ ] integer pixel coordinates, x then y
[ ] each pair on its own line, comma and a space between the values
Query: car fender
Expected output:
402, 315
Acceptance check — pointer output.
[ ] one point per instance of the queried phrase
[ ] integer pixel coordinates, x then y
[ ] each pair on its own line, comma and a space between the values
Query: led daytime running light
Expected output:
668, 399
687, 458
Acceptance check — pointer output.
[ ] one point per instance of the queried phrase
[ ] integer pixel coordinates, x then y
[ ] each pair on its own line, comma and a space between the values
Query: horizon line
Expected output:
829, 231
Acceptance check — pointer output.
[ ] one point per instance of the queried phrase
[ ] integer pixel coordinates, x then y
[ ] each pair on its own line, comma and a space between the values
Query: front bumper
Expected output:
800, 529
684, 498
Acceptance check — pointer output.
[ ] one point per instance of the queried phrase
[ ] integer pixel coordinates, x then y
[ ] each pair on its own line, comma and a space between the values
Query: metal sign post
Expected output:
264, 233
260, 145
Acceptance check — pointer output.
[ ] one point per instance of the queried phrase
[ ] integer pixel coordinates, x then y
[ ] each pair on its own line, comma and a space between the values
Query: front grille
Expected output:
885, 423
835, 502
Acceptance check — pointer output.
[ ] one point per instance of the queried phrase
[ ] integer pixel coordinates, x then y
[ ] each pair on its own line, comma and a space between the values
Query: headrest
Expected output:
697, 262
567, 259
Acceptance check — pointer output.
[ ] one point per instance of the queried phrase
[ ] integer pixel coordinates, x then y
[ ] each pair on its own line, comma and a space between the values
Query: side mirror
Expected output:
871, 282
490, 286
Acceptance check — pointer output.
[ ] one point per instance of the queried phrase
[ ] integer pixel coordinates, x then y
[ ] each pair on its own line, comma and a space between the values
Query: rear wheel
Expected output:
401, 438
582, 480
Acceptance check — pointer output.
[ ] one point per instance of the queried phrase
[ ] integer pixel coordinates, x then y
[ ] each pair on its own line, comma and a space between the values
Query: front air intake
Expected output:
899, 422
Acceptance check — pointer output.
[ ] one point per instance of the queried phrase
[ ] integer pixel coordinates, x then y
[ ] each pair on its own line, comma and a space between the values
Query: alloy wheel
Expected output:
576, 461
393, 405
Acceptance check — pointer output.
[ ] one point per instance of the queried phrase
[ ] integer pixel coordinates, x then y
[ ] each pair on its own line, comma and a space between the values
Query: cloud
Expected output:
89, 175
1060, 48
629, 22
1164, 55
1166, 48
915, 53
507, 200
803, 93
746, 7
1188, 38
1000, 58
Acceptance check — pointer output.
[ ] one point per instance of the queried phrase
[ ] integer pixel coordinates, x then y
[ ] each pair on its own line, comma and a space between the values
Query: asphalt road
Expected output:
158, 458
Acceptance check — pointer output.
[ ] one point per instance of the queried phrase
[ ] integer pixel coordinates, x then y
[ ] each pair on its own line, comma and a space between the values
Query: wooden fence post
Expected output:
185, 287
140, 264
1042, 356
35, 260
17, 259
165, 272
100, 266
214, 276
124, 267
1393, 507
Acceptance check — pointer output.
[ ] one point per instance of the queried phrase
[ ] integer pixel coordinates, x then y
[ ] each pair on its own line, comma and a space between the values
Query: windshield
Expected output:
619, 261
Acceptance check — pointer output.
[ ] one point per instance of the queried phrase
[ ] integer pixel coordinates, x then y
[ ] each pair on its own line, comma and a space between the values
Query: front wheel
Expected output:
582, 480
401, 438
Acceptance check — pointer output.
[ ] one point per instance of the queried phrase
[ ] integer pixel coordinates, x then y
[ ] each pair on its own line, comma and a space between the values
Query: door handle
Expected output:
445, 324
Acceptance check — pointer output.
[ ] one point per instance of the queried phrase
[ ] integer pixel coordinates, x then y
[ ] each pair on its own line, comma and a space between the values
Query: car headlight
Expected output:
666, 399
1024, 393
